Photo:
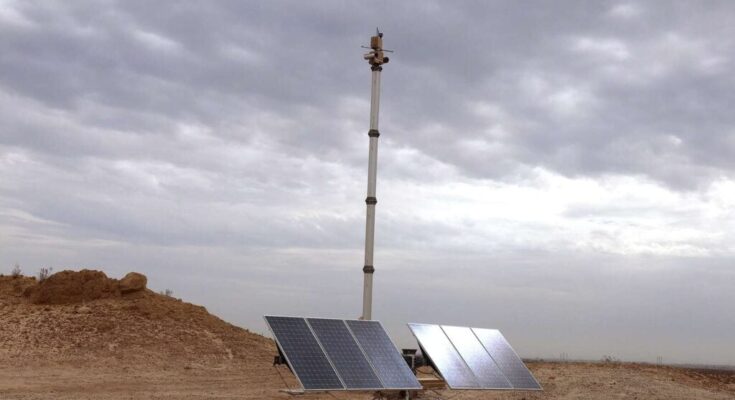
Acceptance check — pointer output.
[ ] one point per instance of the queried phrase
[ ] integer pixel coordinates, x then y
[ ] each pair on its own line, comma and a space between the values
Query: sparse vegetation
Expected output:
44, 273
610, 359
16, 272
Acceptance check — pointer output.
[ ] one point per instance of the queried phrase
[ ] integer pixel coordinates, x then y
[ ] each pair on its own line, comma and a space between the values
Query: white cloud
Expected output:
620, 215
241, 54
156, 41
608, 49
625, 11
561, 98
10, 15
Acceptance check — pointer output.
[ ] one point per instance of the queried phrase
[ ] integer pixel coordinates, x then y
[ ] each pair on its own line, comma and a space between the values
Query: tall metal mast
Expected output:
376, 59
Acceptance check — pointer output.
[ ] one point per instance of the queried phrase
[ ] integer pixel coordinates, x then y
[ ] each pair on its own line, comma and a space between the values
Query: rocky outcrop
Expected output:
68, 287
133, 282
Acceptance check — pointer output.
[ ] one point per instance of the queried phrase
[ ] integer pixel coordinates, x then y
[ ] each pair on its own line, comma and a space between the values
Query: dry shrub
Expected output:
44, 273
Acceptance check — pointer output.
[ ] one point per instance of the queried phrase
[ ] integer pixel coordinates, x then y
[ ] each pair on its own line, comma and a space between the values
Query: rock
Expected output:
84, 310
133, 282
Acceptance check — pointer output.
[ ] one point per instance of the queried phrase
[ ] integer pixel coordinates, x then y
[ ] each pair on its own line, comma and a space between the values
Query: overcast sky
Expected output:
563, 171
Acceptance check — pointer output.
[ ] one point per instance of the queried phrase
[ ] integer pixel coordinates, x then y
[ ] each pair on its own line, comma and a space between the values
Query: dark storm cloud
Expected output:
546, 156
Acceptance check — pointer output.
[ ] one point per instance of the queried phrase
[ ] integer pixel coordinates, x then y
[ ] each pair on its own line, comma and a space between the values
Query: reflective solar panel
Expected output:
483, 352
388, 363
303, 353
507, 359
346, 356
445, 357
476, 357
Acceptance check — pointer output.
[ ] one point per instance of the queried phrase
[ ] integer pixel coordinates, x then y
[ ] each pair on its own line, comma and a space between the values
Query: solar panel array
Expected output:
473, 358
333, 354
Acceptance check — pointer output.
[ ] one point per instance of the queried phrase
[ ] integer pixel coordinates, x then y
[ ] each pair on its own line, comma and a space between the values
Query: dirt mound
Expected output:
69, 287
12, 288
86, 316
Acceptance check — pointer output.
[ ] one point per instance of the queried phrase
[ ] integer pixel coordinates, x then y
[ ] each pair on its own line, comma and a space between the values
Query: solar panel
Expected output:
442, 353
474, 354
388, 363
345, 354
303, 353
332, 354
461, 353
507, 359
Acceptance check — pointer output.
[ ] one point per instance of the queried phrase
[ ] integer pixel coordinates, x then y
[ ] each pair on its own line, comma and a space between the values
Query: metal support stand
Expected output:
376, 59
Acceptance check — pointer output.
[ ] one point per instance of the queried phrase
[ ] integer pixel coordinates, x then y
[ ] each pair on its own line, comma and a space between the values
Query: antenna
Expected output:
376, 59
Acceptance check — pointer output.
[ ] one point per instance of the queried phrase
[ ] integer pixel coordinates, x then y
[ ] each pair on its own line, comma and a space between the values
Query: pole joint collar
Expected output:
373, 133
371, 200
368, 269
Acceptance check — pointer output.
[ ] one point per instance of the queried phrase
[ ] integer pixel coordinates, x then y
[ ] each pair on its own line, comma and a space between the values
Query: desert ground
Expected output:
82, 335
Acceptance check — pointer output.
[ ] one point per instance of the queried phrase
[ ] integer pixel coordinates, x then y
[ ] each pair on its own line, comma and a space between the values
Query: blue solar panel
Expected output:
383, 355
303, 353
507, 359
479, 361
345, 354
444, 356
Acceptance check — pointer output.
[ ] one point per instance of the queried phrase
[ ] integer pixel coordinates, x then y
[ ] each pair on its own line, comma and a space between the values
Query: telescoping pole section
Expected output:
376, 59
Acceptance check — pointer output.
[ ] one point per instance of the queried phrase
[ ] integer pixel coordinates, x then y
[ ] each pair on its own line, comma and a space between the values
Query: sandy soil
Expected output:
233, 381
86, 336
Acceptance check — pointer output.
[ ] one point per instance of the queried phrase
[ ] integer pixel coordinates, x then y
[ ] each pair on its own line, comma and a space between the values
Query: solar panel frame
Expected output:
290, 361
452, 366
399, 361
334, 362
483, 366
510, 351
